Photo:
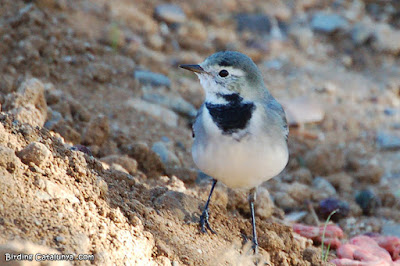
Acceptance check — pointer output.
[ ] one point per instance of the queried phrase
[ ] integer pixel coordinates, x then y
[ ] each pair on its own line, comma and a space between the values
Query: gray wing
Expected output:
277, 107
199, 112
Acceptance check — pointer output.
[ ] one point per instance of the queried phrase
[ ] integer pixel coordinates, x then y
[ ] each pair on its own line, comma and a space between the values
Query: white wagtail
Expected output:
240, 132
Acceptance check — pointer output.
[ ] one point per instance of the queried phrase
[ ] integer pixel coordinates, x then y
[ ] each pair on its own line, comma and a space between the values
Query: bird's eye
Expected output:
223, 73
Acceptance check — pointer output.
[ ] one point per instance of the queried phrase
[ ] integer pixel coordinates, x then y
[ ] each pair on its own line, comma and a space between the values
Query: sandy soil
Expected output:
78, 170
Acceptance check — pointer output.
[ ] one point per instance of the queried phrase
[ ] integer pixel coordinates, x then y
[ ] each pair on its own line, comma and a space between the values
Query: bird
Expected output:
240, 131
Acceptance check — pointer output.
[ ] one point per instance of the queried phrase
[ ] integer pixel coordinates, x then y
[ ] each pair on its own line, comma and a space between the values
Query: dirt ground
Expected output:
93, 162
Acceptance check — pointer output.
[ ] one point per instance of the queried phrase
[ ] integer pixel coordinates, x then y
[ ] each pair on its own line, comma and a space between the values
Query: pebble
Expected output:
323, 186
36, 153
360, 34
368, 201
148, 161
151, 78
166, 155
8, 159
256, 23
341, 181
391, 229
53, 118
303, 110
386, 141
302, 175
129, 164
176, 103
169, 13
100, 72
327, 206
158, 112
321, 189
328, 23
370, 173
386, 39
389, 111
28, 104
187, 175
292, 195
97, 131
325, 160
181, 206
265, 205
56, 191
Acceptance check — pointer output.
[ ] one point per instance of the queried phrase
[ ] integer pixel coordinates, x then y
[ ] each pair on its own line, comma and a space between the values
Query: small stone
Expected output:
341, 181
169, 13
312, 255
53, 118
360, 34
265, 205
303, 36
284, 201
56, 191
389, 111
328, 23
149, 162
82, 148
387, 39
302, 110
325, 160
155, 79
60, 239
36, 153
8, 159
260, 24
187, 175
368, 201
97, 131
323, 186
28, 104
391, 229
176, 103
302, 175
166, 156
181, 206
328, 87
327, 206
386, 141
370, 173
100, 72
160, 113
295, 216
129, 164
155, 41
292, 195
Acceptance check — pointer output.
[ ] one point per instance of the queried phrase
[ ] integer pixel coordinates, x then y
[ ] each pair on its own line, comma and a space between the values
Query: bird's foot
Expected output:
204, 223
255, 247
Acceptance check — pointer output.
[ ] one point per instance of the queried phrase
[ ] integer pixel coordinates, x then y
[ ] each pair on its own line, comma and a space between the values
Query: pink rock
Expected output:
369, 251
332, 233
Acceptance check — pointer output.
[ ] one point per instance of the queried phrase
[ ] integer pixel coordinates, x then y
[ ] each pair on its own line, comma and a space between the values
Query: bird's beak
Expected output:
194, 68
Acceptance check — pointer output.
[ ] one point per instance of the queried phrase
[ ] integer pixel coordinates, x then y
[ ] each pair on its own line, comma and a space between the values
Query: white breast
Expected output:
239, 164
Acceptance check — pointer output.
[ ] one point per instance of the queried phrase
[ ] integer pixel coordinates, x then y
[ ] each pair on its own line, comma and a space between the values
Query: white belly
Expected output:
239, 164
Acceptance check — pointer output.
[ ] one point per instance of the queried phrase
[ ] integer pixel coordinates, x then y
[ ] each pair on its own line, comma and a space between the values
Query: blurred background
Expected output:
100, 78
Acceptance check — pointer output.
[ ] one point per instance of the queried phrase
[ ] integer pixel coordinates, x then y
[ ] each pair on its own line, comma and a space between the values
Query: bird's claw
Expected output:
204, 223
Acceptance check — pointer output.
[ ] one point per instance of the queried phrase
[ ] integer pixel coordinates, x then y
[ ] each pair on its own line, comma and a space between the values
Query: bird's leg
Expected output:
204, 216
252, 198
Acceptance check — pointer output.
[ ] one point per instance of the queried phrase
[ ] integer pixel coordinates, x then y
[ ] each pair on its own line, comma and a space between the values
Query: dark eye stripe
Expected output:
223, 73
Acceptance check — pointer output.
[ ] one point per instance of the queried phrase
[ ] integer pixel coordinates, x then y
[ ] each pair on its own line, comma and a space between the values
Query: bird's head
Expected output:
227, 73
